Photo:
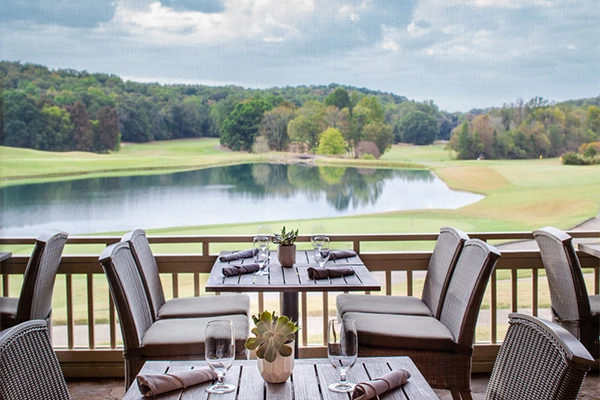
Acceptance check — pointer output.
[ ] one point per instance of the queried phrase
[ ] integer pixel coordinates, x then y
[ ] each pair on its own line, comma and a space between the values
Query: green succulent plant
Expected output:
273, 335
285, 238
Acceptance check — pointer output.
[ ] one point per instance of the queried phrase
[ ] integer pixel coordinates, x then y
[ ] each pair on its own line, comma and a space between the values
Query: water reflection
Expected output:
232, 194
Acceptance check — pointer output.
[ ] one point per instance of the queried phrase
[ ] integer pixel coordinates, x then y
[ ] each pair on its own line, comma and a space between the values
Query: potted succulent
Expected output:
273, 343
286, 251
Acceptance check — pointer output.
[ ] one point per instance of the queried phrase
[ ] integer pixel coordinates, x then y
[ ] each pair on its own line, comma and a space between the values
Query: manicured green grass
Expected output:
520, 194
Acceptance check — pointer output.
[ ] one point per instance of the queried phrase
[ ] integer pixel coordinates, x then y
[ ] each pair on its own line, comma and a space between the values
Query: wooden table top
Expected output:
293, 279
592, 248
309, 380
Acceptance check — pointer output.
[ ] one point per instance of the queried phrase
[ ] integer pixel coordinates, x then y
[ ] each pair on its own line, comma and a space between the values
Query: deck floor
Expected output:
112, 389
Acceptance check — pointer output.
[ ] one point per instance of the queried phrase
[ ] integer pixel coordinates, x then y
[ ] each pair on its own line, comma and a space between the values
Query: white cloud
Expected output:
459, 53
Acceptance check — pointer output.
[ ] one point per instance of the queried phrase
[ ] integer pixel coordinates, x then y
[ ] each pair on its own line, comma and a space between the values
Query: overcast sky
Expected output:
461, 54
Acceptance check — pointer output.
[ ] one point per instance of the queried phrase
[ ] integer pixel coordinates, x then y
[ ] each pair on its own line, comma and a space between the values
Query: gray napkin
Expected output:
154, 384
334, 272
337, 254
371, 389
236, 255
232, 270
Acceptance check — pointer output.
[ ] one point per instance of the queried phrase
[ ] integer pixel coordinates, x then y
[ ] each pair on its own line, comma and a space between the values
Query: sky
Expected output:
461, 54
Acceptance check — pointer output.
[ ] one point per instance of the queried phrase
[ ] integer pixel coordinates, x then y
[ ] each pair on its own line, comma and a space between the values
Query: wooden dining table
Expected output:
309, 380
591, 248
292, 280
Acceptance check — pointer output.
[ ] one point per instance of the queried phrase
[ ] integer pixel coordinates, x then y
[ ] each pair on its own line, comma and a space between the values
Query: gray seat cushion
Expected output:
402, 332
205, 306
174, 337
409, 305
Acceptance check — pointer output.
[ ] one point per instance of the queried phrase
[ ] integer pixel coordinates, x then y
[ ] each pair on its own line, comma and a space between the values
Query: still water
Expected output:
220, 195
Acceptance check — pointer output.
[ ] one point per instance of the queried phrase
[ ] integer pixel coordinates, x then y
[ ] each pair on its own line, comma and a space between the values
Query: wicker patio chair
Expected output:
440, 347
35, 300
29, 368
185, 307
441, 266
538, 360
144, 337
571, 306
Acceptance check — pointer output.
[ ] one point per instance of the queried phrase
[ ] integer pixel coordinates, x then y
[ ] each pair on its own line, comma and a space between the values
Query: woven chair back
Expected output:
35, 300
465, 291
441, 266
128, 293
140, 247
568, 294
538, 360
29, 368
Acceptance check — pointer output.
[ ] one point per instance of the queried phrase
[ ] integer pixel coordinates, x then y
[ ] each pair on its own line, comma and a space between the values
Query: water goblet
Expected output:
342, 351
261, 245
220, 352
321, 250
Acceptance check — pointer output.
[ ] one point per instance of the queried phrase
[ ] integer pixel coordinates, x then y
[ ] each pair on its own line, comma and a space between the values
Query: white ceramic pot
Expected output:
279, 370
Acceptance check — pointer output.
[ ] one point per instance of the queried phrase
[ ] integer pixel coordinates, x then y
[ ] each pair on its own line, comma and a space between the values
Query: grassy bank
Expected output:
520, 194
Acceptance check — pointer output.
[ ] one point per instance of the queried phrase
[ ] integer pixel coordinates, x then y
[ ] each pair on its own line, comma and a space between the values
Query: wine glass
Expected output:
261, 244
321, 249
220, 352
316, 232
342, 351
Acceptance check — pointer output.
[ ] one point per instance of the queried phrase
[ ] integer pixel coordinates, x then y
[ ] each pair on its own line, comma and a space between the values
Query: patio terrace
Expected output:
85, 329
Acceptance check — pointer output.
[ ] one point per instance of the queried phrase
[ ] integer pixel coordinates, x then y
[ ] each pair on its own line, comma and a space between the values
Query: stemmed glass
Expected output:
261, 244
320, 249
219, 351
342, 351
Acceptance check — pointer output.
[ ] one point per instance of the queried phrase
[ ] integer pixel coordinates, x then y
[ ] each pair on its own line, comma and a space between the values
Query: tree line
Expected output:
532, 129
64, 109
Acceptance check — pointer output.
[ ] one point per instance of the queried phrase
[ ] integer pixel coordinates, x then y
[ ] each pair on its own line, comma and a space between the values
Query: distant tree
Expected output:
593, 122
82, 137
308, 124
242, 124
57, 129
378, 133
331, 142
339, 98
261, 145
274, 126
22, 121
467, 145
106, 130
418, 128
338, 118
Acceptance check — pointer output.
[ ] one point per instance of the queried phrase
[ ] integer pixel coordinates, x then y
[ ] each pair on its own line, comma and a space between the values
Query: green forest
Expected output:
66, 110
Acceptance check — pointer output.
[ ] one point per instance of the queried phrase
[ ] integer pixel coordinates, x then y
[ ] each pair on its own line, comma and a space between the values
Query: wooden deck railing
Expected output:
85, 327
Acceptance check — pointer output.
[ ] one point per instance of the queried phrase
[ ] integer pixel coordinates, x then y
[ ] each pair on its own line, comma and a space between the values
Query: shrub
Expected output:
365, 148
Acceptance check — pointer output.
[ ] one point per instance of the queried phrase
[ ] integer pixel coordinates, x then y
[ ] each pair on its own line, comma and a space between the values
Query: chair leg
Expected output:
461, 395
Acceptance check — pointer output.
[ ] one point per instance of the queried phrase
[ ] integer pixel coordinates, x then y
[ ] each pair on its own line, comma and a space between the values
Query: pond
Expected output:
220, 195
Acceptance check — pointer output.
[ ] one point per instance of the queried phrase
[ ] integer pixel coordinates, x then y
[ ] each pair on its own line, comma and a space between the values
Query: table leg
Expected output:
290, 309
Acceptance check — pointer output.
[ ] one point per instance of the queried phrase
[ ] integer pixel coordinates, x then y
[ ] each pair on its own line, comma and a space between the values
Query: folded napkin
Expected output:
371, 389
319, 273
236, 255
232, 270
154, 384
337, 254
